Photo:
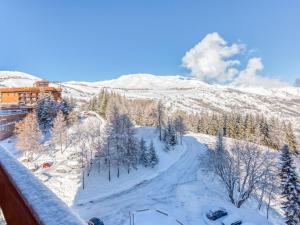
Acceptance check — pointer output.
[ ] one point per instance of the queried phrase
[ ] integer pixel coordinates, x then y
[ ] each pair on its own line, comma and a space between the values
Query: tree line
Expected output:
257, 128
270, 132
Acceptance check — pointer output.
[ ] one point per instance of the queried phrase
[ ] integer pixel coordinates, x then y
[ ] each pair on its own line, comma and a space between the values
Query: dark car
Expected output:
237, 223
95, 221
214, 215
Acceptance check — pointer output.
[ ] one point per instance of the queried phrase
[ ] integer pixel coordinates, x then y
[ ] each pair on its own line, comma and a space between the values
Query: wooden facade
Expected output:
28, 95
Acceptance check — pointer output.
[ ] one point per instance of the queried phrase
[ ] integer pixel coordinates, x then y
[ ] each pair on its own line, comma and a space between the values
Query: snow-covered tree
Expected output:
144, 153
122, 141
170, 137
80, 144
47, 109
160, 118
130, 143
46, 112
29, 135
60, 132
180, 127
290, 187
220, 142
240, 170
107, 141
267, 189
152, 156
116, 144
290, 138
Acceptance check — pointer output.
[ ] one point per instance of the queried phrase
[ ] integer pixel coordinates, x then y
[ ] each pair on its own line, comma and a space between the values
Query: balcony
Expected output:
25, 200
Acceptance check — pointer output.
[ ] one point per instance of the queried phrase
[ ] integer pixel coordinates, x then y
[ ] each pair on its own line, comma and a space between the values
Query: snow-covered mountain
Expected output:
16, 79
185, 93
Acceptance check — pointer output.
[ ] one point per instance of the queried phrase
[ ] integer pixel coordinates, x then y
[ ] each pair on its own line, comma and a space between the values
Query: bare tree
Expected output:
242, 169
80, 143
269, 184
29, 135
60, 132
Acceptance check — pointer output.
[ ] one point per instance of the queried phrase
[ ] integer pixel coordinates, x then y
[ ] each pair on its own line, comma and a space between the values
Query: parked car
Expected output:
95, 221
216, 214
232, 220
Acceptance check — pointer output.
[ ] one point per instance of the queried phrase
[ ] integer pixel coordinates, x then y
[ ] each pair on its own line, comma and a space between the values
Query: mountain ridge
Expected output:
181, 93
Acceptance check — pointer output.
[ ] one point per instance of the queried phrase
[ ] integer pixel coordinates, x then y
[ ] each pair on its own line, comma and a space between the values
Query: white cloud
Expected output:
297, 82
249, 76
212, 60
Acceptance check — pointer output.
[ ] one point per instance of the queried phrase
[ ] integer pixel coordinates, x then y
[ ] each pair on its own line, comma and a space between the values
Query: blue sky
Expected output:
97, 40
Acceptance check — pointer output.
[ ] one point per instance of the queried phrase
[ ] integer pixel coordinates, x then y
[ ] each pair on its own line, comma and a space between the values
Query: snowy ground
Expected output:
179, 187
184, 191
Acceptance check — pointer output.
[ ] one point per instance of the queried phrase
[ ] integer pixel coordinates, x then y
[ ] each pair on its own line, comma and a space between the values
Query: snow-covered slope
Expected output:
184, 93
16, 79
179, 185
192, 95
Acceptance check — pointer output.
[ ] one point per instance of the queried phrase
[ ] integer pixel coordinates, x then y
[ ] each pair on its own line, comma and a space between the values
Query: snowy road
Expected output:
158, 193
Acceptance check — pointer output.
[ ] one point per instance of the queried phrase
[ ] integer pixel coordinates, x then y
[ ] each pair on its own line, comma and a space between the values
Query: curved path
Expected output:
158, 193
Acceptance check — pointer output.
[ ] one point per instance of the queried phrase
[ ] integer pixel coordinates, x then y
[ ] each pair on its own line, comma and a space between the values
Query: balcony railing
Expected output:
24, 200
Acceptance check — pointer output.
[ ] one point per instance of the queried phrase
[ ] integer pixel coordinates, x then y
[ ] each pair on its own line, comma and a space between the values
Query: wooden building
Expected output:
28, 95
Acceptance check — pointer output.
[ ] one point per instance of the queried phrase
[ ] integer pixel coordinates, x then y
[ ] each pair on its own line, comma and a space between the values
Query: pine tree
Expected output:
153, 158
290, 188
219, 142
46, 112
144, 158
160, 118
170, 137
290, 138
231, 126
59, 131
130, 143
117, 149
180, 127
29, 135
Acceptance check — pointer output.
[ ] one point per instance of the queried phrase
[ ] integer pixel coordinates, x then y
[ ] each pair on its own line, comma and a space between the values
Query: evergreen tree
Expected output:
231, 126
130, 143
180, 127
144, 158
290, 188
219, 142
153, 158
160, 118
290, 138
47, 109
170, 137
46, 112
103, 105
